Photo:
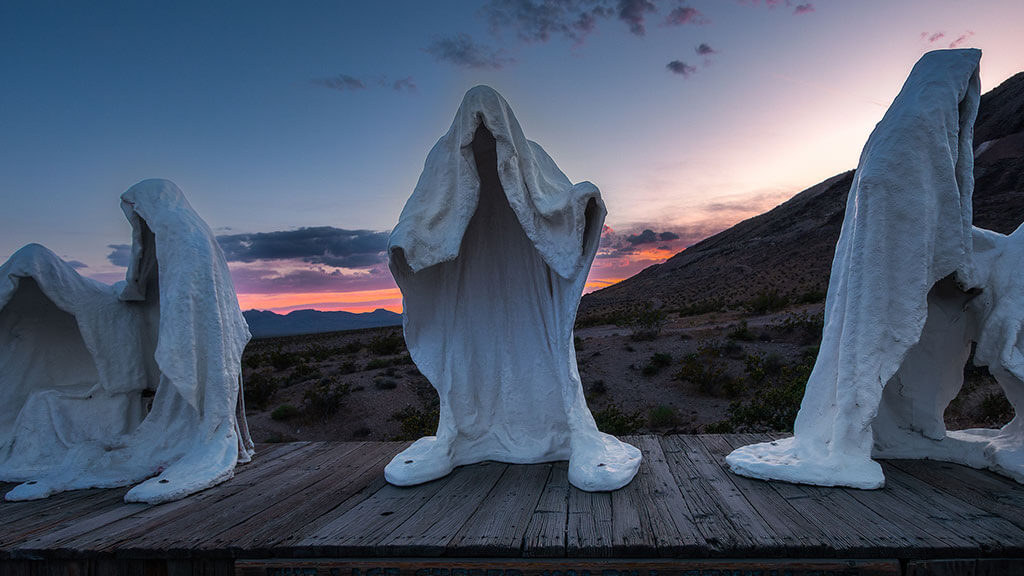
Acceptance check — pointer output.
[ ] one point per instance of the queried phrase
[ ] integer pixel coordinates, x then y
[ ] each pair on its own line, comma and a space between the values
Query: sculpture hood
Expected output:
550, 209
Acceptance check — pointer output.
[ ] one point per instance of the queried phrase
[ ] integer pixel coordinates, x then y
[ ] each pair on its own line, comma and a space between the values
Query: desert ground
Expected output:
659, 373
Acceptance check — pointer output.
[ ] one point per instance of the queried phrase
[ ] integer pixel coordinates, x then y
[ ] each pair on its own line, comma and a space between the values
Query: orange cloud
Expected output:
354, 301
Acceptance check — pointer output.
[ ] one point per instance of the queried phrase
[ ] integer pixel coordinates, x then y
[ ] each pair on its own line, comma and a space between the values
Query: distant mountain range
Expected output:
263, 323
788, 250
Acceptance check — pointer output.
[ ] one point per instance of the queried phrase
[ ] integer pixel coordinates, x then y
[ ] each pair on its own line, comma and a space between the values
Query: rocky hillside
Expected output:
787, 252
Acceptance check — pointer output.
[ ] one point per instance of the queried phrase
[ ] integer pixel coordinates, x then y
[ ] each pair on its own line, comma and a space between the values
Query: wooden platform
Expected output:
302, 508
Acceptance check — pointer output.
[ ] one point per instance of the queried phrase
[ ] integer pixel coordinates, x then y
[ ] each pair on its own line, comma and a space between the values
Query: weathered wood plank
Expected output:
986, 490
289, 516
147, 518
991, 532
748, 532
497, 527
429, 530
667, 522
590, 524
708, 517
789, 526
357, 531
546, 534
182, 535
854, 529
569, 566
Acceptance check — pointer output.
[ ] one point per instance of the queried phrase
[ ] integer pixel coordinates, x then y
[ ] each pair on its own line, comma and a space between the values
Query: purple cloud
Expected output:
684, 15
681, 68
341, 83
806, 8
461, 50
705, 50
633, 13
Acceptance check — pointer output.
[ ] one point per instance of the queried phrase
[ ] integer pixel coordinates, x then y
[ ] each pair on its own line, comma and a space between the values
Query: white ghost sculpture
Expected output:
491, 253
79, 357
912, 285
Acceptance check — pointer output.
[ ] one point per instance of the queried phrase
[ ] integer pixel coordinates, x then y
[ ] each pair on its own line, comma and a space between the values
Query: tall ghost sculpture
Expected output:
491, 253
913, 284
81, 360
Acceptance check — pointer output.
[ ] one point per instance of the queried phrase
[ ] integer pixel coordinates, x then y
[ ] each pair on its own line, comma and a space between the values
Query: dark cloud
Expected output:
538, 21
681, 68
935, 37
645, 237
407, 84
805, 8
77, 264
634, 12
341, 83
120, 254
649, 236
705, 50
684, 15
346, 83
463, 51
270, 280
325, 245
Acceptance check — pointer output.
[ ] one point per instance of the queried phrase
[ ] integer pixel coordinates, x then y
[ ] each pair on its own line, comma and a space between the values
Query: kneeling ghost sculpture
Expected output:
80, 358
491, 253
913, 284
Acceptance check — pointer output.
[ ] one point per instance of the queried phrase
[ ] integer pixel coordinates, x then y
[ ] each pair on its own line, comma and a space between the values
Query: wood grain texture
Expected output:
330, 500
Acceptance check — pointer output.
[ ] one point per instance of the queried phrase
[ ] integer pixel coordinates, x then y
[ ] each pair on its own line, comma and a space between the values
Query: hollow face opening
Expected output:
485, 152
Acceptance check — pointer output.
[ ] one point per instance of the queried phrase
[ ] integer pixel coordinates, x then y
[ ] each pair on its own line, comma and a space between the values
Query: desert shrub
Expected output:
765, 302
731, 349
708, 372
324, 399
282, 360
362, 432
760, 366
284, 412
702, 307
347, 367
772, 407
810, 297
597, 387
302, 373
259, 388
252, 360
320, 353
741, 332
386, 344
352, 347
647, 323
415, 423
806, 327
376, 363
995, 409
612, 420
662, 416
659, 361
384, 384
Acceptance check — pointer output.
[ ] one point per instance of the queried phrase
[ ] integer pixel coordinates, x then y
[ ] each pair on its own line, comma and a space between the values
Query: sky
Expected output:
298, 129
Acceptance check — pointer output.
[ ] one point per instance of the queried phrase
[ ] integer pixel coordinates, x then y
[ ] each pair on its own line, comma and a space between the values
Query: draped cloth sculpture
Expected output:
491, 253
912, 285
79, 358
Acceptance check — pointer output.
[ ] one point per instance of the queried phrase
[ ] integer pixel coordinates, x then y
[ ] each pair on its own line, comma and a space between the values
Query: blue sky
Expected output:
274, 117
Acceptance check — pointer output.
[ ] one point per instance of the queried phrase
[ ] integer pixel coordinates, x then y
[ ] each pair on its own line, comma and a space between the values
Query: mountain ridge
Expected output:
787, 251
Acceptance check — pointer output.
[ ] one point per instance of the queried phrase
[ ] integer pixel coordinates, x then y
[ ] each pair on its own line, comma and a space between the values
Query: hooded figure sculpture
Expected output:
912, 285
81, 359
491, 253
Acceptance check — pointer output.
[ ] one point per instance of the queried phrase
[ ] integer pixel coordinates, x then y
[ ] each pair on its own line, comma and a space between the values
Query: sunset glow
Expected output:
687, 126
